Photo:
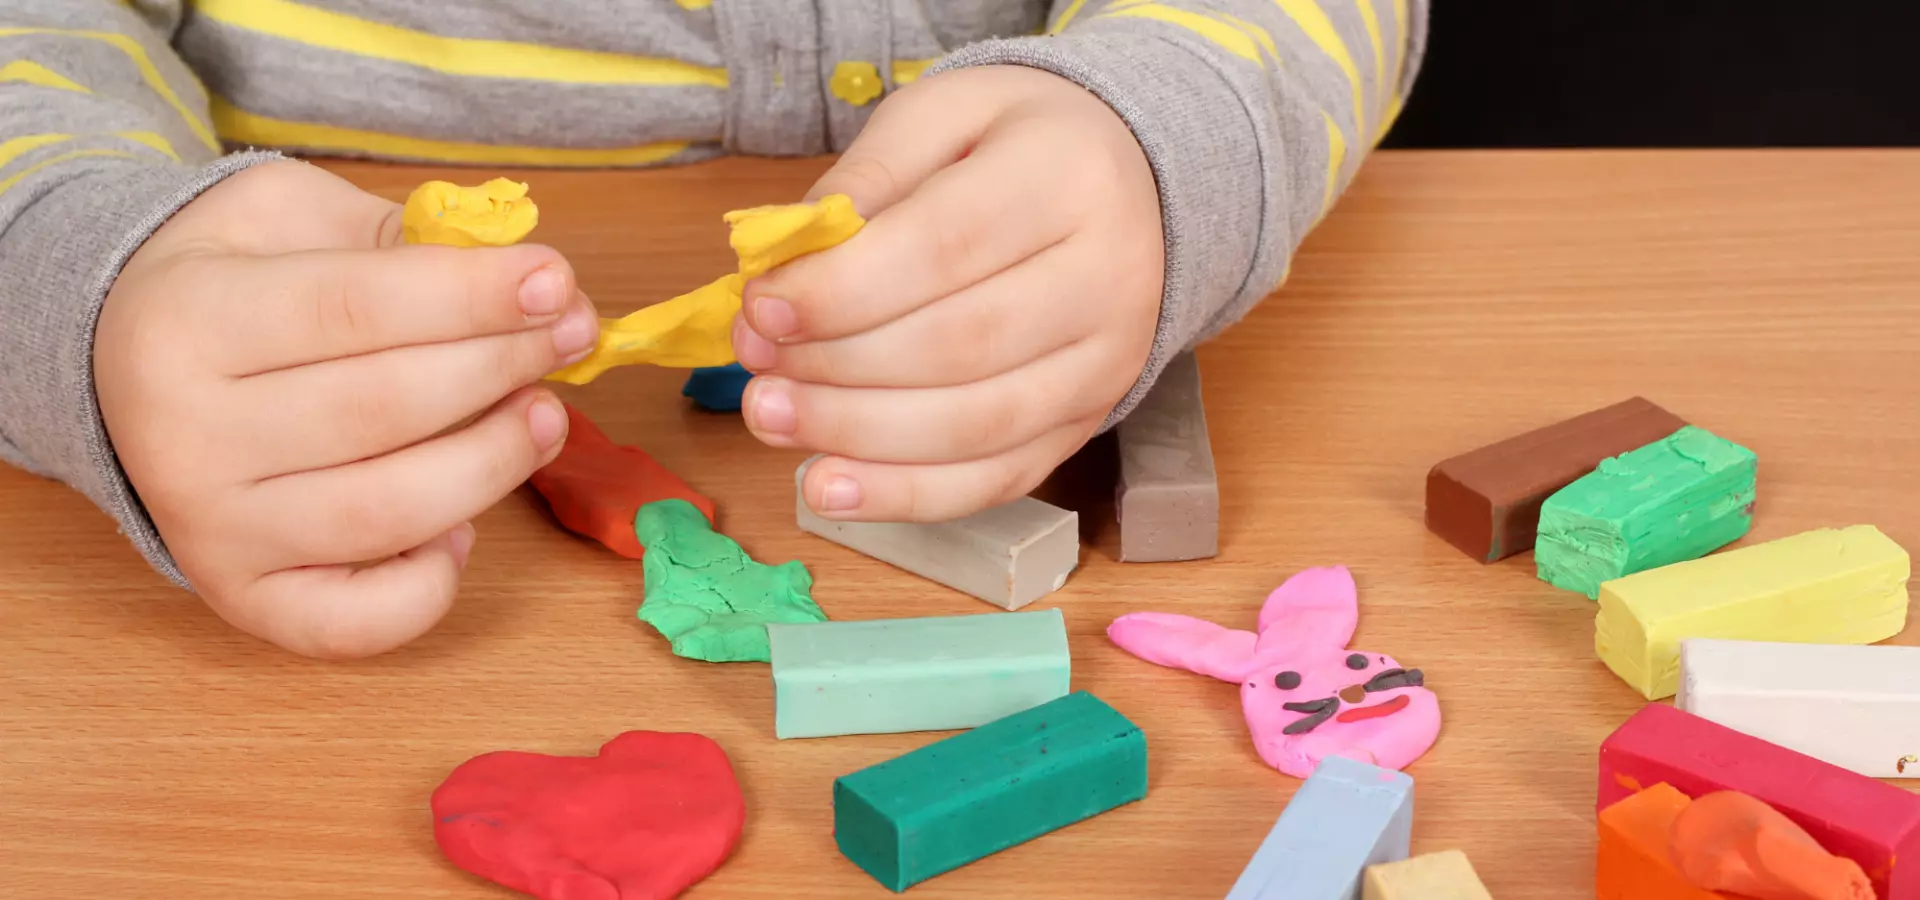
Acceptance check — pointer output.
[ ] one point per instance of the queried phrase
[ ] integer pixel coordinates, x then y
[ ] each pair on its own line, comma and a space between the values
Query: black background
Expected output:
1666, 73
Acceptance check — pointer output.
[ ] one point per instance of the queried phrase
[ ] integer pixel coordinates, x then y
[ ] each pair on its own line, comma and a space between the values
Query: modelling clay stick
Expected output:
1345, 817
1633, 861
979, 792
1678, 498
1446, 875
1168, 500
1009, 556
1487, 502
1829, 586
1855, 707
595, 487
1727, 841
708, 598
717, 388
1870, 822
883, 676
694, 330
495, 214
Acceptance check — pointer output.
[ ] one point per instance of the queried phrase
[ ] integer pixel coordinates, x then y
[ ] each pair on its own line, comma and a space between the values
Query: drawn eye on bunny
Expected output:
1306, 695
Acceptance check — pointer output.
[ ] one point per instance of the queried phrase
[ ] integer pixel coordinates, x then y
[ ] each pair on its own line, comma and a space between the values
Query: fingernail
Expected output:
547, 422
774, 318
773, 409
841, 494
754, 352
544, 292
575, 333
463, 538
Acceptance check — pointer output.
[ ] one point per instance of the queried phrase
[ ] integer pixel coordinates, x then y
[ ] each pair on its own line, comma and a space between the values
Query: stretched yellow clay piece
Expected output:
694, 330
494, 214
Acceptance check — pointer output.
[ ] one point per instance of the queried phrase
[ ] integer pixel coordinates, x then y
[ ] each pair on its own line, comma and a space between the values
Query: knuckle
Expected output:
860, 176
338, 313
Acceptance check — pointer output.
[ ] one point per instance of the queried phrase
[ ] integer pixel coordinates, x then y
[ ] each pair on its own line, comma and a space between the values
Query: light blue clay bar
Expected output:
884, 676
1347, 816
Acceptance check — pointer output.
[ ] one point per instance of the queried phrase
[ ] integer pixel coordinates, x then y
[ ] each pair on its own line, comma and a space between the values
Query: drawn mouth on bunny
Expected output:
1319, 711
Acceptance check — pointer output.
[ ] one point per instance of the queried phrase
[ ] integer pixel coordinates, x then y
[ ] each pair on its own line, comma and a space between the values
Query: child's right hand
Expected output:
276, 372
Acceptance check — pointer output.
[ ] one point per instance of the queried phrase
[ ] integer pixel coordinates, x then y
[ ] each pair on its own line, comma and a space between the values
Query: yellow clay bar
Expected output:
695, 330
494, 214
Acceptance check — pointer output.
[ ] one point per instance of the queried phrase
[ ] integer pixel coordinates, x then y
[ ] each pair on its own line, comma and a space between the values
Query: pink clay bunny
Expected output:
1305, 695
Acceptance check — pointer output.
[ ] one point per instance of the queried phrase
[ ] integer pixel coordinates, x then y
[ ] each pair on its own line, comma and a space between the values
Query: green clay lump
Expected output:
709, 599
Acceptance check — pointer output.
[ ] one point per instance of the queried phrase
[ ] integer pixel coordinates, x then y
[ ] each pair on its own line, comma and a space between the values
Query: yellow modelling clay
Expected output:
494, 214
694, 330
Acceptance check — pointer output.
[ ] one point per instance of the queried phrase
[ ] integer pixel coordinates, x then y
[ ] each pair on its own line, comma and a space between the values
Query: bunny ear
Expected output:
1183, 642
1315, 609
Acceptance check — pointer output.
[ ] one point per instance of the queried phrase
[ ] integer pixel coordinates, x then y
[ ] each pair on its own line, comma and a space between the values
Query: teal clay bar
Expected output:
706, 596
1676, 499
979, 792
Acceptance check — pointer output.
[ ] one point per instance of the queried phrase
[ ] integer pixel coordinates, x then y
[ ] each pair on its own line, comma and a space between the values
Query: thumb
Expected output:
917, 131
287, 206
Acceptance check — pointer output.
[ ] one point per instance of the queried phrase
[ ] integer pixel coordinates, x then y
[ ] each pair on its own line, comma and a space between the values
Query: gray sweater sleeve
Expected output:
103, 136
1254, 115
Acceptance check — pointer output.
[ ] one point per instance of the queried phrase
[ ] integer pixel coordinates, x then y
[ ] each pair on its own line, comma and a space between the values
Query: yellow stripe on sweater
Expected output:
450, 55
243, 127
1060, 24
30, 72
907, 71
21, 146
148, 71
1372, 22
64, 157
1319, 29
1228, 37
1336, 159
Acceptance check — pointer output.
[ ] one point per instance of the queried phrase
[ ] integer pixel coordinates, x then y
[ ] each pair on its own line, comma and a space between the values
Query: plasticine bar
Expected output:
1487, 502
1346, 816
1828, 586
1870, 822
1168, 499
1446, 875
1009, 556
1633, 862
979, 792
883, 676
1855, 707
1678, 498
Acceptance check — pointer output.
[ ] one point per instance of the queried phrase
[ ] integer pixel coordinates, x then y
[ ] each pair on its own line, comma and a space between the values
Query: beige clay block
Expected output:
1009, 556
1168, 499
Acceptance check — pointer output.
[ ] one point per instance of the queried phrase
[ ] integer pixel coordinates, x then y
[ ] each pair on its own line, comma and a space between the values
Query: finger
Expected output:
930, 425
278, 312
921, 129
966, 222
855, 491
376, 508
346, 410
340, 612
1035, 308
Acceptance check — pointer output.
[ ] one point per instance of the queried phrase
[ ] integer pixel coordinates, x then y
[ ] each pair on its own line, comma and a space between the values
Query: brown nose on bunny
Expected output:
1353, 693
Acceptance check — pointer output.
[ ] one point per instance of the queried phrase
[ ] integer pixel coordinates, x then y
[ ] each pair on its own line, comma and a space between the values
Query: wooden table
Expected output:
147, 750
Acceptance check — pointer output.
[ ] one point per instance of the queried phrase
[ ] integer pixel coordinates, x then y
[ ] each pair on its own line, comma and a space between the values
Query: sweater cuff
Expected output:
57, 260
1203, 149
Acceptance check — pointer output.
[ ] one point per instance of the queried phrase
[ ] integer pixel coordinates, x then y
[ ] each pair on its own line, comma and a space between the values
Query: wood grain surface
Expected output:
1454, 299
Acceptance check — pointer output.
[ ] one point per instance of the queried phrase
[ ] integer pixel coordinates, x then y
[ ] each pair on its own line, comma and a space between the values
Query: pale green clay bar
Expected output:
708, 598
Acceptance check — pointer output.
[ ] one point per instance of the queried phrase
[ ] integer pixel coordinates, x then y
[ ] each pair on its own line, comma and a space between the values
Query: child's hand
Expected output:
1001, 300
276, 374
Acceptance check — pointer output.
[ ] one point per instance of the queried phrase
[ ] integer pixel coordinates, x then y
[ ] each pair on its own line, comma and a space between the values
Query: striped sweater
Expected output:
1253, 114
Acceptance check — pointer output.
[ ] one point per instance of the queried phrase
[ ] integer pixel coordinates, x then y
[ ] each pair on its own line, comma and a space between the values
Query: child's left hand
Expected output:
1002, 298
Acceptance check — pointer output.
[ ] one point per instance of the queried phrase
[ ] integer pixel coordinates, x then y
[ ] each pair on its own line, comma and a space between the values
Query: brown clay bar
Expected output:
1487, 502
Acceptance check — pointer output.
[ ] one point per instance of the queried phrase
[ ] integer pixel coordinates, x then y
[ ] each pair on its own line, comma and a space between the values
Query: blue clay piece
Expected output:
717, 388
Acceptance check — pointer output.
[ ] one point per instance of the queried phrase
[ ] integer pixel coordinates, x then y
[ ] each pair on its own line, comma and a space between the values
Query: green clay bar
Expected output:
1676, 499
886, 676
706, 596
979, 792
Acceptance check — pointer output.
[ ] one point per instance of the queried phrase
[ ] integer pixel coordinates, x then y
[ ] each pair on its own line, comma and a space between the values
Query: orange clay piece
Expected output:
1633, 862
1728, 841
595, 487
